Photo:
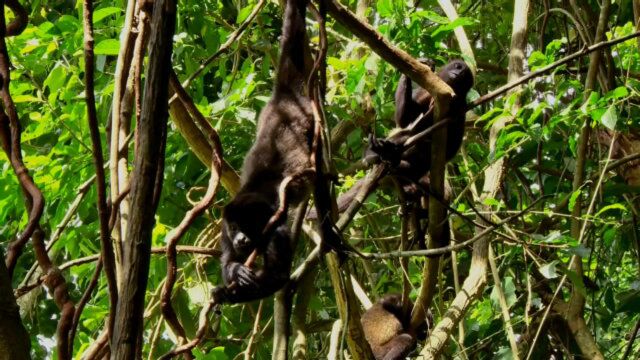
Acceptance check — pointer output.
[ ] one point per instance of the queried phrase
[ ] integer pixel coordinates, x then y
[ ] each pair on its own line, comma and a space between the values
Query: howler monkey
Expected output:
414, 113
282, 150
386, 328
411, 166
413, 163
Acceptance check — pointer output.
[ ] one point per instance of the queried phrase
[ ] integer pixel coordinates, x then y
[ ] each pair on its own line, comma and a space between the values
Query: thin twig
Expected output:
202, 330
254, 332
86, 296
232, 39
108, 257
450, 248
586, 50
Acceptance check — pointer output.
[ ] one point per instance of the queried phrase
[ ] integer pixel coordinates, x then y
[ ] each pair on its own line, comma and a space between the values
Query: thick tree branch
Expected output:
145, 183
176, 234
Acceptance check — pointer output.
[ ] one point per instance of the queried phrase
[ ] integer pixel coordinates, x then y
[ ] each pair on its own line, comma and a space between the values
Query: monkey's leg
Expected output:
399, 347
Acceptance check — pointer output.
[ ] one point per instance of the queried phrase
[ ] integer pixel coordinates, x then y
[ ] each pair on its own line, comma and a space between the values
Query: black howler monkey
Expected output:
414, 163
386, 328
282, 150
411, 166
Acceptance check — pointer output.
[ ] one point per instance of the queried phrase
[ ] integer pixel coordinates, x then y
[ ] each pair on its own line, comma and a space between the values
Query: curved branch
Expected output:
174, 236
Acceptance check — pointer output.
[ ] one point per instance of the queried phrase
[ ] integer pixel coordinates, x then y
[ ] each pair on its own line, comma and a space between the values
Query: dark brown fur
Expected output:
414, 163
282, 148
411, 166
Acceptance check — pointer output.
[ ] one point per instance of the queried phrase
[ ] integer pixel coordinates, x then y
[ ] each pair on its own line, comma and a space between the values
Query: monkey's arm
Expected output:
399, 347
404, 102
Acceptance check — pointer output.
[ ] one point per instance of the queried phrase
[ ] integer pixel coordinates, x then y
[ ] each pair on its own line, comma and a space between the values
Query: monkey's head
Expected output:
244, 220
458, 75
393, 304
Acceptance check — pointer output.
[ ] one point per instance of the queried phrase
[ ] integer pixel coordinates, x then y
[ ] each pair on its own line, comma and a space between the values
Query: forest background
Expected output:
544, 213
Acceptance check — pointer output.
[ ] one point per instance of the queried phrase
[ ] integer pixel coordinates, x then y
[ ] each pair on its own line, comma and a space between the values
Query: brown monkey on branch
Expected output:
254, 221
387, 329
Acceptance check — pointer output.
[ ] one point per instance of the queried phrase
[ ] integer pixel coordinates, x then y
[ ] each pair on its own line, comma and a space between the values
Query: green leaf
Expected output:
25, 98
549, 270
56, 79
385, 8
610, 118
616, 206
103, 13
618, 93
574, 198
244, 13
107, 47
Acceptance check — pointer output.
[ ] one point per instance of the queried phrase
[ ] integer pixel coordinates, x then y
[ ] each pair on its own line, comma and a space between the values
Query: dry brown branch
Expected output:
202, 330
186, 249
306, 290
54, 280
586, 342
10, 136
504, 307
71, 211
473, 285
463, 41
197, 131
248, 352
282, 197
86, 296
120, 130
14, 339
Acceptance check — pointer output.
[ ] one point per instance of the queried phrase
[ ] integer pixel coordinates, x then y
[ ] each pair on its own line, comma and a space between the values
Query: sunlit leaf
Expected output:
107, 47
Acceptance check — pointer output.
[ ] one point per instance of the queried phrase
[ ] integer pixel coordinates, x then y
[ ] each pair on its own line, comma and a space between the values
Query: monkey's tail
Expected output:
292, 69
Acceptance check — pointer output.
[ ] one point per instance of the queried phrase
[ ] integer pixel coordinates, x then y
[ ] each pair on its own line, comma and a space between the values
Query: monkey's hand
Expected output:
244, 276
383, 150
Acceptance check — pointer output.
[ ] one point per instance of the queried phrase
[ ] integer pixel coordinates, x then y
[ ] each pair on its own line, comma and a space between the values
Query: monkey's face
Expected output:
244, 220
458, 75
240, 241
